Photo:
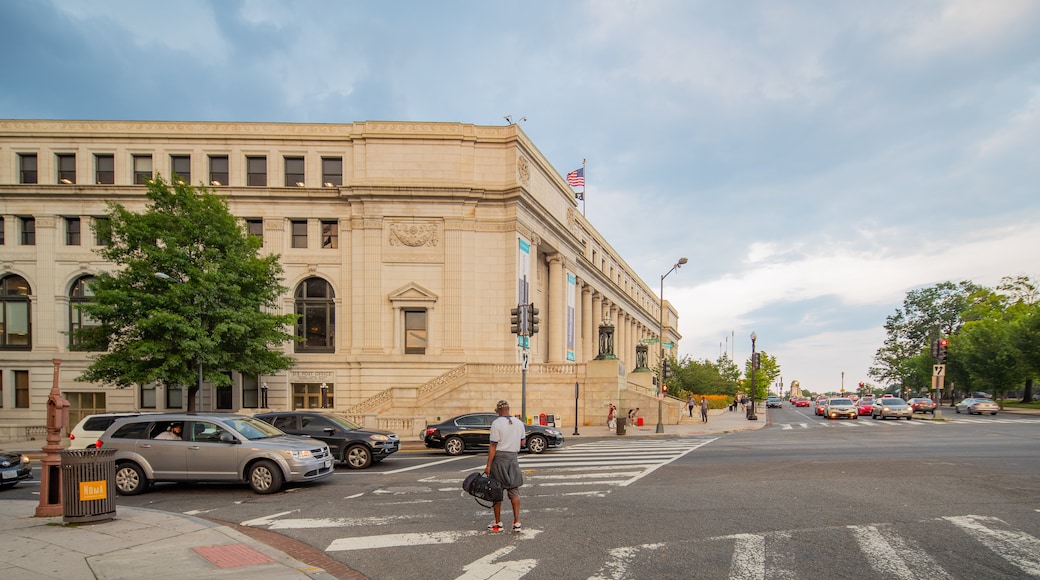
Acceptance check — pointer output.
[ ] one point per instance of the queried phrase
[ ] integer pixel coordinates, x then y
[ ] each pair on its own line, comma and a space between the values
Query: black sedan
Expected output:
350, 443
472, 431
14, 467
923, 405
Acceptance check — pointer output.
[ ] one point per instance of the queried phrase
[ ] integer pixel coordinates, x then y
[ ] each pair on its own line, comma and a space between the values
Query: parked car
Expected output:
923, 405
774, 402
14, 467
472, 431
350, 443
977, 406
821, 404
86, 432
891, 407
864, 406
840, 407
211, 447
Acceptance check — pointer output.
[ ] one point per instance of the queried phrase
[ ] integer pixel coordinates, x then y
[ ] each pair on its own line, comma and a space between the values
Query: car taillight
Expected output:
431, 431
72, 436
99, 443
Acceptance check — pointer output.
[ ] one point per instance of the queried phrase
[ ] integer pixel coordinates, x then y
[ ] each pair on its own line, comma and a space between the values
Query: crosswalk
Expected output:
865, 422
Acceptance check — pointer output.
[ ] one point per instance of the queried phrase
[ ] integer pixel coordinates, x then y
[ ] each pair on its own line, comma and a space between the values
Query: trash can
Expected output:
621, 425
88, 485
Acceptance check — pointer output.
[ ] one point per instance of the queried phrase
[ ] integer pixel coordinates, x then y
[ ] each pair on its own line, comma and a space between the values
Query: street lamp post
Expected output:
661, 386
198, 389
751, 409
324, 396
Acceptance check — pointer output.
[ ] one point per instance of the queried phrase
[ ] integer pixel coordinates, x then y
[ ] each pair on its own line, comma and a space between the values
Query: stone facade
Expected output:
424, 234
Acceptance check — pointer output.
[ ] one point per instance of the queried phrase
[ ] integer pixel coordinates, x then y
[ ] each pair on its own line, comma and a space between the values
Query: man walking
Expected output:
704, 409
689, 405
507, 438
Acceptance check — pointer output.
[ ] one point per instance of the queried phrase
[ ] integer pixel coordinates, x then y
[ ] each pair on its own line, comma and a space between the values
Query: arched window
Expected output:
79, 294
15, 323
316, 310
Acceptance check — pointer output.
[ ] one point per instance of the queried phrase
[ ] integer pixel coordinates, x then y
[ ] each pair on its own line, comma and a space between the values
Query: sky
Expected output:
814, 160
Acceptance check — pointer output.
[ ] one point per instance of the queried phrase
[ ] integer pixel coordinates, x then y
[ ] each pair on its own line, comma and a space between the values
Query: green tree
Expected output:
985, 349
1025, 336
191, 295
765, 375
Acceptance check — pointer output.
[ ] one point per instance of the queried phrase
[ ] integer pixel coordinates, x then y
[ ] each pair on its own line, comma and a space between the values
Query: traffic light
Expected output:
514, 321
532, 319
942, 350
935, 348
665, 373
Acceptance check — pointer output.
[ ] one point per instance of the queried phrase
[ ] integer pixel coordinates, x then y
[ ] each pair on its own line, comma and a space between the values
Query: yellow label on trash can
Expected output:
90, 490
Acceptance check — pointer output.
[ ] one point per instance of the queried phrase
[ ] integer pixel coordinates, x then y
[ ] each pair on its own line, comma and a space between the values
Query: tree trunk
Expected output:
192, 395
1027, 394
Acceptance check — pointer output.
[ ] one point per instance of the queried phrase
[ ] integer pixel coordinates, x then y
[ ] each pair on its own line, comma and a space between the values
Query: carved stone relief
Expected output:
413, 235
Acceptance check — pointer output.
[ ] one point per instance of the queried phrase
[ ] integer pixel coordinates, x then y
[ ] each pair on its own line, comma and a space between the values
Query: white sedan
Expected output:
977, 406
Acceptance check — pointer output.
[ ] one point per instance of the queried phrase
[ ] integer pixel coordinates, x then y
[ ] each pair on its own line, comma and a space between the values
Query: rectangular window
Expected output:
104, 169
142, 169
174, 397
66, 168
309, 395
225, 395
83, 404
27, 168
255, 228
250, 392
180, 169
294, 172
1, 230
28, 231
21, 389
332, 171
299, 233
102, 231
329, 234
218, 170
415, 332
72, 231
1, 389
256, 171
148, 396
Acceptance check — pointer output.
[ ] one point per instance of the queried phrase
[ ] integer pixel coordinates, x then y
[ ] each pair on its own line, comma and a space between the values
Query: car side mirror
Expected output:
228, 438
329, 430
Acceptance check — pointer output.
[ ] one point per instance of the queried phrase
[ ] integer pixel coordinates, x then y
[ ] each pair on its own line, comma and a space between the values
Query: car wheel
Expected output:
909, 417
265, 477
958, 409
536, 444
993, 413
357, 457
454, 446
8, 484
873, 416
130, 479
854, 417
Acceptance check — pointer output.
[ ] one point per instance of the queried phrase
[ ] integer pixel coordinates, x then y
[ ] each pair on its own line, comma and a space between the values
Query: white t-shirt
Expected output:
507, 436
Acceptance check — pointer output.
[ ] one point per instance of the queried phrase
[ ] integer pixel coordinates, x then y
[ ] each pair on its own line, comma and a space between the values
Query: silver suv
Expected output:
211, 447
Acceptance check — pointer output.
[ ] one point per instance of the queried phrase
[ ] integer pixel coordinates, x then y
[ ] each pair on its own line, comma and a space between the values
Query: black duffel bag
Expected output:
483, 488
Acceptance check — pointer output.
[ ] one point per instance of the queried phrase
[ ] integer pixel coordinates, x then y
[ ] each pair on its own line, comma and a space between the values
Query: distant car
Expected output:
977, 406
923, 405
86, 432
350, 443
14, 467
891, 407
864, 406
803, 402
821, 403
472, 431
211, 447
840, 407
774, 402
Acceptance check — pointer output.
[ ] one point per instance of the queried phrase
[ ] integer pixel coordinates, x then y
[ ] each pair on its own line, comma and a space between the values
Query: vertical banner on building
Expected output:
571, 285
523, 274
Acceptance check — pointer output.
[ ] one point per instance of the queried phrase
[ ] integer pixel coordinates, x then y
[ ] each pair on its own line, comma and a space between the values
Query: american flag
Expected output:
576, 178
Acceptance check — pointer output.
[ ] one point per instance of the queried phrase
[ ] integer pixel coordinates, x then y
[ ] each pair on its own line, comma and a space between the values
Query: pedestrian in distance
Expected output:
612, 417
704, 409
507, 438
690, 403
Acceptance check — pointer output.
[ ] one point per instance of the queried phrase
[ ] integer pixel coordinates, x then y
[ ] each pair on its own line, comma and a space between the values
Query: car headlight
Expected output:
378, 437
25, 460
553, 432
304, 454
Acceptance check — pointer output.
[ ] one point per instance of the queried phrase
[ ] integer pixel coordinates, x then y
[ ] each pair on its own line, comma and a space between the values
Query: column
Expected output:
557, 321
589, 324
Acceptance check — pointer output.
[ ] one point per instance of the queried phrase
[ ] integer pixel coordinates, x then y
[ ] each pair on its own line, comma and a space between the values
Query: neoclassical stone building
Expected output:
404, 247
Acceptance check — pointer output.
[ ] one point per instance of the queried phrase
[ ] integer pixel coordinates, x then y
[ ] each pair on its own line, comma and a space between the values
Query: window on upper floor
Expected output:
72, 231
1, 230
66, 168
256, 171
28, 231
79, 295
142, 169
104, 169
180, 168
15, 323
102, 231
415, 332
332, 171
329, 234
299, 233
294, 172
27, 163
316, 312
255, 227
21, 389
219, 169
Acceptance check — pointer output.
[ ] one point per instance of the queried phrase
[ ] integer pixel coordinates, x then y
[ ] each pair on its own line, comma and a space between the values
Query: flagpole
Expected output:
583, 187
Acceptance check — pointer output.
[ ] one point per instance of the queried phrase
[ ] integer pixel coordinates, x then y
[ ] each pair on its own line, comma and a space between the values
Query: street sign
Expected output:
668, 344
938, 370
650, 340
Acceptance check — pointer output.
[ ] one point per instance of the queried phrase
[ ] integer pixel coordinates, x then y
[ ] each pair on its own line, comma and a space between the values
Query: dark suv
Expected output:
350, 443
473, 431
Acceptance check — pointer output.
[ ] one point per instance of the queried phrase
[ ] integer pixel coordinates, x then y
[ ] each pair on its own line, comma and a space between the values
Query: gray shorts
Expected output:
505, 468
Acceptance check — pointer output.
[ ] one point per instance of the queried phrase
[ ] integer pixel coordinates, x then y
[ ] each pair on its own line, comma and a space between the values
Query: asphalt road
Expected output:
804, 497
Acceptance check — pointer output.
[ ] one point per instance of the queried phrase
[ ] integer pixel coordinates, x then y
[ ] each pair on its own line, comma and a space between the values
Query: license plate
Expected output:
328, 463
10, 474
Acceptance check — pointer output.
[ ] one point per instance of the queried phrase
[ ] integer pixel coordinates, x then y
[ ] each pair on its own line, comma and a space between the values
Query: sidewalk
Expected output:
145, 543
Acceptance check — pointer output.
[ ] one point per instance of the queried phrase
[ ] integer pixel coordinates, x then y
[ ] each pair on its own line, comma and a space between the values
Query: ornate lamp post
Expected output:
660, 399
754, 364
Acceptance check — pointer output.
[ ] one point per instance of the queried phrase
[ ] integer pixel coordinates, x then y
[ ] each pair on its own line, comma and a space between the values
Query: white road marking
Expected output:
486, 567
892, 557
404, 469
356, 495
621, 558
660, 465
311, 523
413, 539
1021, 549
749, 557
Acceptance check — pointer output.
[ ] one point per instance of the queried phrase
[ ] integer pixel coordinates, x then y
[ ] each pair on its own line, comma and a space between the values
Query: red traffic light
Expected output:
861, 384
944, 342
